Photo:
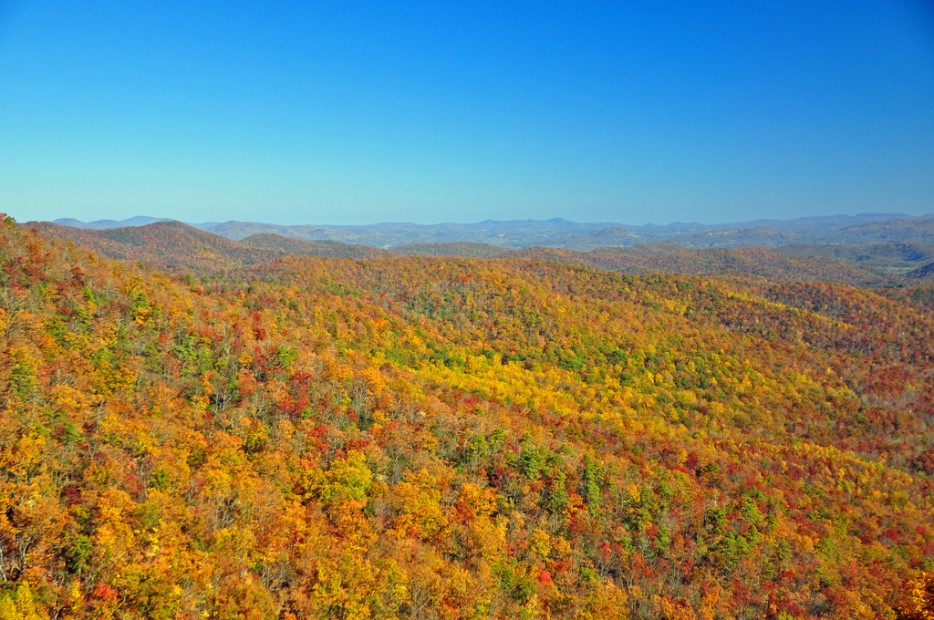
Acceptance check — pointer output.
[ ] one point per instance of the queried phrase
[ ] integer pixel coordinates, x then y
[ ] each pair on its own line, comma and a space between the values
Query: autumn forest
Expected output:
389, 436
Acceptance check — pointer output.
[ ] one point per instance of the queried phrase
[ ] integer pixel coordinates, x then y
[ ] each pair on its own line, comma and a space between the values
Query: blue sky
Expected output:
361, 112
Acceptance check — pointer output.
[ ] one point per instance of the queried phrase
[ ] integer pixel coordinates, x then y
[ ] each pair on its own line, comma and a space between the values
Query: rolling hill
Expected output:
897, 259
167, 245
459, 249
177, 247
862, 229
182, 248
291, 245
746, 262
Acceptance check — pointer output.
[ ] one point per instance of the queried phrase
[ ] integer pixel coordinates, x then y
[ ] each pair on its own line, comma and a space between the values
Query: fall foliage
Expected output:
431, 437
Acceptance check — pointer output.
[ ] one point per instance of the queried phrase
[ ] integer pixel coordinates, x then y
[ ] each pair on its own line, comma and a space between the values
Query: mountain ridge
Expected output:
560, 232
177, 246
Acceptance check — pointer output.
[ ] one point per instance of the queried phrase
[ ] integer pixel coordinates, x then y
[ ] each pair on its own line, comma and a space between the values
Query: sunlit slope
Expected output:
180, 248
455, 438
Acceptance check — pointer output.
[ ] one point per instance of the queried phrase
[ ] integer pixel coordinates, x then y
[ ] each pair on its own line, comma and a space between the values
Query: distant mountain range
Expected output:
838, 229
139, 220
861, 253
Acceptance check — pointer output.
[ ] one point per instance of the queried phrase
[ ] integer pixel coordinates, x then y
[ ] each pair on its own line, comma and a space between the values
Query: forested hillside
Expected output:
179, 248
431, 437
172, 246
743, 262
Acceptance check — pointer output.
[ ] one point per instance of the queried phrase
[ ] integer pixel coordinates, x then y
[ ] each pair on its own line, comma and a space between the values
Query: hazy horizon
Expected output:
128, 220
294, 114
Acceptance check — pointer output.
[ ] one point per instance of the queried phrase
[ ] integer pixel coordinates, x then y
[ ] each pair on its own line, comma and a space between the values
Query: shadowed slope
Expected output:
745, 261
290, 245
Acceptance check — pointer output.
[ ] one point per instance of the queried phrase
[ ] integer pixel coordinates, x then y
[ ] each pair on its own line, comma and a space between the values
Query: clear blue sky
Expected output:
360, 112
